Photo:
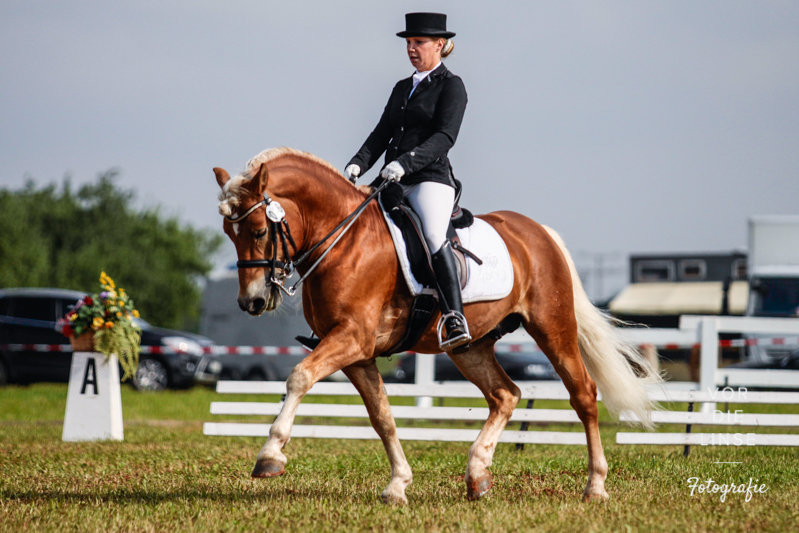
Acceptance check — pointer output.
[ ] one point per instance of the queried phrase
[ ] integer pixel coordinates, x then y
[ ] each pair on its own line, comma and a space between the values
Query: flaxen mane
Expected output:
234, 190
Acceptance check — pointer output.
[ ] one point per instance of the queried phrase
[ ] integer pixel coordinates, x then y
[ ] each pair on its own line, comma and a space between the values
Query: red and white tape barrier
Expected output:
773, 341
214, 350
298, 350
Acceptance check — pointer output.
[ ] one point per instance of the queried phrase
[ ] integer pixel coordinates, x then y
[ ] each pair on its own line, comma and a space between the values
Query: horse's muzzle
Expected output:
253, 306
256, 305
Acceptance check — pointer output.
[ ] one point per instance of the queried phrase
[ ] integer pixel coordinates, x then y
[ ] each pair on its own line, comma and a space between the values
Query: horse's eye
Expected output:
260, 234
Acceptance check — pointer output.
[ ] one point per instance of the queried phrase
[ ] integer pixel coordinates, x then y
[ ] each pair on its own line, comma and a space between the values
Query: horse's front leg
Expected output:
336, 351
367, 380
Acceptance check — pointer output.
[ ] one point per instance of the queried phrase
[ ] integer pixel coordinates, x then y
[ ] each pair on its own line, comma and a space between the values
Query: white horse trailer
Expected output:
773, 268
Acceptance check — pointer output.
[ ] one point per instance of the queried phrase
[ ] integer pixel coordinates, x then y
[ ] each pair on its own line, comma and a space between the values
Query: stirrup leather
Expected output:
456, 341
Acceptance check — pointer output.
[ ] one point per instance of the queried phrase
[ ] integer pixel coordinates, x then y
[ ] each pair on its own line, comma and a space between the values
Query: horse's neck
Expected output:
323, 200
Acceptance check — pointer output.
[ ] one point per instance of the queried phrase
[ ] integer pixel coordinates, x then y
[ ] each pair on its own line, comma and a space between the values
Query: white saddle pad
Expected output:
492, 280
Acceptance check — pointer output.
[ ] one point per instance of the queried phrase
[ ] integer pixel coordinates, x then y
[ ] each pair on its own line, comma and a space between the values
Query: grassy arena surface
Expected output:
167, 476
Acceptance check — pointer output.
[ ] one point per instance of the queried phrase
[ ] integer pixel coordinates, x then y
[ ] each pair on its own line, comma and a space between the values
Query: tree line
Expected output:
54, 236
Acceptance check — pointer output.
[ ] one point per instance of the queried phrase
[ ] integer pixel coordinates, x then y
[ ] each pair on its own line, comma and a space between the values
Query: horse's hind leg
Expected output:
367, 380
480, 367
557, 337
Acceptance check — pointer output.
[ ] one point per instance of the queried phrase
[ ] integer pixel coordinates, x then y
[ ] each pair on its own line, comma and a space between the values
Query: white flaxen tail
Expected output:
608, 358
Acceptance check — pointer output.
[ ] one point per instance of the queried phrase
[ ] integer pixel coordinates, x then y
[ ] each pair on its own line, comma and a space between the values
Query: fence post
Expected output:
425, 374
709, 359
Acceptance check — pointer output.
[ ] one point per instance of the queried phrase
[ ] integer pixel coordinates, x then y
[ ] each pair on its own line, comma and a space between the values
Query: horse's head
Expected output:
247, 225
315, 197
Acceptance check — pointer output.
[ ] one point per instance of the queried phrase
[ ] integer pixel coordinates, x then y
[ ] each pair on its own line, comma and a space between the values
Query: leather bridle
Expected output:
280, 231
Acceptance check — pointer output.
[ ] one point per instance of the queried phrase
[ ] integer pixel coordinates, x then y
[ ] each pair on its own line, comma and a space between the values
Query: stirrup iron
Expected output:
459, 340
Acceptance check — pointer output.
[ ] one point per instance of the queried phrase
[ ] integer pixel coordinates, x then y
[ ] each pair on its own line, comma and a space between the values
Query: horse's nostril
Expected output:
257, 305
242, 304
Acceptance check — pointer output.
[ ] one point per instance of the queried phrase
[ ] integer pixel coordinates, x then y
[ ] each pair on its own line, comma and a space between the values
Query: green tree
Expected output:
54, 237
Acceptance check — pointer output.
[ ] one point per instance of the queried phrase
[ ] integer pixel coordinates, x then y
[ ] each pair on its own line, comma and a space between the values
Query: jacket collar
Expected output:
438, 72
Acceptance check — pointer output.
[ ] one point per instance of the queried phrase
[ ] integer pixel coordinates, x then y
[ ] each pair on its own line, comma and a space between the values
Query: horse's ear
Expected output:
260, 180
222, 177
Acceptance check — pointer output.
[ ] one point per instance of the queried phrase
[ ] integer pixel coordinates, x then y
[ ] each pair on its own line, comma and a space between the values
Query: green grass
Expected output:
167, 476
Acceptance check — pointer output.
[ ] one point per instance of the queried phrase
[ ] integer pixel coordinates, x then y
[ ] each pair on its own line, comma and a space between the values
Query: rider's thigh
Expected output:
433, 203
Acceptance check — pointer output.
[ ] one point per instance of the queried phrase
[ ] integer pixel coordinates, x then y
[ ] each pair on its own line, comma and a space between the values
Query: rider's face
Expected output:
424, 52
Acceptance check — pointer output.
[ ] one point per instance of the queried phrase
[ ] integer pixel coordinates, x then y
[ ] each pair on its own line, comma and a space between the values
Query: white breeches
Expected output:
433, 203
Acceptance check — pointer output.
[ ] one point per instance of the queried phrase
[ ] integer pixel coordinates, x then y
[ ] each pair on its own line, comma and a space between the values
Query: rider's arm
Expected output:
448, 117
376, 143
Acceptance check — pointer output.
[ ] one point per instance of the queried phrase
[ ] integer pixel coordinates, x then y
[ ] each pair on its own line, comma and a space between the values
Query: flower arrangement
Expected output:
108, 317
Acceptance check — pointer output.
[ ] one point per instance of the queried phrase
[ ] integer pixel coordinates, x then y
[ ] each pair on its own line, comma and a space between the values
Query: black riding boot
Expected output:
449, 298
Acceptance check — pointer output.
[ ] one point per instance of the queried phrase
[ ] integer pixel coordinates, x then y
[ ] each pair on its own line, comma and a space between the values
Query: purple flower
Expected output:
104, 295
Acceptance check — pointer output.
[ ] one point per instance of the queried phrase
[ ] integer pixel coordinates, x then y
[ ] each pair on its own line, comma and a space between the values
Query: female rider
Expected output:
419, 125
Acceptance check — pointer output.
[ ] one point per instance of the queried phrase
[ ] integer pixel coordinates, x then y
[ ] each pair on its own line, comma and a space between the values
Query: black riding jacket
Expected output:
418, 131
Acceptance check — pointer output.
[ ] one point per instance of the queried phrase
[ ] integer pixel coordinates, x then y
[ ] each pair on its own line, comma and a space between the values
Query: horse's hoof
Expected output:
267, 468
596, 496
390, 498
476, 489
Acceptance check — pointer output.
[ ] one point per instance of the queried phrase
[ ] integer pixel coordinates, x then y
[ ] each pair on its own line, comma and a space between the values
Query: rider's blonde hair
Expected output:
449, 46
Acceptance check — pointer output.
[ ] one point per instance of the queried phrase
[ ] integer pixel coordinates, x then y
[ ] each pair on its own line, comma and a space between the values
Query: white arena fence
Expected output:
737, 396
527, 415
715, 385
447, 390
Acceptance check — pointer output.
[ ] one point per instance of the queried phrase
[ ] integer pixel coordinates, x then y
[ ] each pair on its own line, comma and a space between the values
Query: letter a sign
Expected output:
90, 375
94, 402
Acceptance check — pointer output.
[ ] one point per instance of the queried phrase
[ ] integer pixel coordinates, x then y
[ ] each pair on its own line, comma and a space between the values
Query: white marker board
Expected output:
94, 401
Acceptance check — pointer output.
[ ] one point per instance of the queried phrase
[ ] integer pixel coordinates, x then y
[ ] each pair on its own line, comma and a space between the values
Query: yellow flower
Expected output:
121, 303
119, 314
109, 325
121, 291
105, 280
97, 322
73, 316
135, 313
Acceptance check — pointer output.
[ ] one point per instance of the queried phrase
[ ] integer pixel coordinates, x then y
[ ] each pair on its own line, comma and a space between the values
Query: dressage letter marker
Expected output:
94, 403
90, 376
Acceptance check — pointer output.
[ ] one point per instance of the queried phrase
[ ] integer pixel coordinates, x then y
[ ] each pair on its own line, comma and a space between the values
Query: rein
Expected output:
277, 222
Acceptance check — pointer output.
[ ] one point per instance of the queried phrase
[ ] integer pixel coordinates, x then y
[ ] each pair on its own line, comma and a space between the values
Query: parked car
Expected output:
27, 328
788, 362
518, 366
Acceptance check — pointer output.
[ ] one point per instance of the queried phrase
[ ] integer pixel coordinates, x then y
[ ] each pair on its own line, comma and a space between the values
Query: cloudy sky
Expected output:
654, 126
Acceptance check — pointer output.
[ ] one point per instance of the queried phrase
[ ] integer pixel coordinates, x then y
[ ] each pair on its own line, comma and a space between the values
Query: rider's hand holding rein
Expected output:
393, 171
352, 172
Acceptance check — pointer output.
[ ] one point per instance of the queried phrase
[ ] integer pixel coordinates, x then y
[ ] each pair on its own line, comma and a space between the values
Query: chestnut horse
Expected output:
357, 302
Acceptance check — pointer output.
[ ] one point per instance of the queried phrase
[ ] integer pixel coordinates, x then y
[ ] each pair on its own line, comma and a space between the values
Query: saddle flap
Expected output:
416, 246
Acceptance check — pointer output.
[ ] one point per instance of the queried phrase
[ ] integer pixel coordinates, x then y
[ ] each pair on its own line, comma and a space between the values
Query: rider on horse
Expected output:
418, 127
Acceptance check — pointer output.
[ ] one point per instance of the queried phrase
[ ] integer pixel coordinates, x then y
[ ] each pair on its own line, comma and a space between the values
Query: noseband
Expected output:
279, 227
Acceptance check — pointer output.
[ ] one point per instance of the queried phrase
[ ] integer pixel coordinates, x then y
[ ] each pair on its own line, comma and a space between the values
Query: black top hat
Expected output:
426, 25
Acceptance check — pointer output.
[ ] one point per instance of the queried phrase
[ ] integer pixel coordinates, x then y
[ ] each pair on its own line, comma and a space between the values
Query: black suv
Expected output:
32, 350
